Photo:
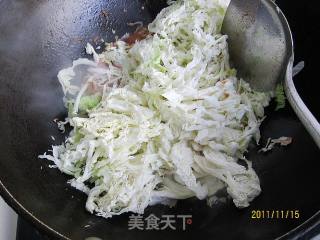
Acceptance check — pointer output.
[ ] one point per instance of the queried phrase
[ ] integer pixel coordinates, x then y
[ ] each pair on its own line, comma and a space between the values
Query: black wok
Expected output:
39, 37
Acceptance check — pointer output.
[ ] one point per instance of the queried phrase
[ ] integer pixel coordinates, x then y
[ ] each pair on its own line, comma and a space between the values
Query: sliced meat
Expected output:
138, 35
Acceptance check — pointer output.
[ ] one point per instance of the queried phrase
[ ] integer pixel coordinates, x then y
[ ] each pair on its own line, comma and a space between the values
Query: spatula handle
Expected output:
307, 118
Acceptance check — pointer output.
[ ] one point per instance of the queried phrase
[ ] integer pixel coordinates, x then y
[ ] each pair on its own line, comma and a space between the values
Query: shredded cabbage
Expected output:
280, 97
163, 119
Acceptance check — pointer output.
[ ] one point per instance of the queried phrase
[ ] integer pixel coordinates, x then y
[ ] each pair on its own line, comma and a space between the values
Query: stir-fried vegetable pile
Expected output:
162, 119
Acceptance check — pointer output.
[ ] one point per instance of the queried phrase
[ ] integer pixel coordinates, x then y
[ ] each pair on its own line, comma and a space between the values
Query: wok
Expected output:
38, 38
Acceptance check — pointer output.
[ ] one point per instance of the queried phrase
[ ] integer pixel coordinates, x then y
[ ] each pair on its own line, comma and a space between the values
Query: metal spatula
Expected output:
261, 48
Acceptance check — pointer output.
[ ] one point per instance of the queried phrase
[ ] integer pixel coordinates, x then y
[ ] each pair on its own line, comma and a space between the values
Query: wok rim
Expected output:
26, 214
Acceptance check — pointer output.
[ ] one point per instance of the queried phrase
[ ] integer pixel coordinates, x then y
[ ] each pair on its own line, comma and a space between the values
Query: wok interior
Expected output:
37, 39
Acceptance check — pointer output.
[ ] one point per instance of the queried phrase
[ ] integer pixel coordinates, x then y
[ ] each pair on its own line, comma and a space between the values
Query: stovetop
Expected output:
27, 231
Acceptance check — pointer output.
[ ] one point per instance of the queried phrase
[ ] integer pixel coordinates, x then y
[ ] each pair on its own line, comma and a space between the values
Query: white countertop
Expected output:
8, 222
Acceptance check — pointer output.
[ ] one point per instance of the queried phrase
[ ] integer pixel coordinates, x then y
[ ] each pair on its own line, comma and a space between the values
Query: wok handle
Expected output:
308, 120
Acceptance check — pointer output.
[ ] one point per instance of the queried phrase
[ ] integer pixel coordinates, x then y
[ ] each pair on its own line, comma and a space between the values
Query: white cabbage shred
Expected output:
163, 119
